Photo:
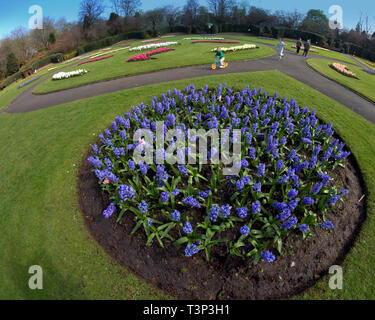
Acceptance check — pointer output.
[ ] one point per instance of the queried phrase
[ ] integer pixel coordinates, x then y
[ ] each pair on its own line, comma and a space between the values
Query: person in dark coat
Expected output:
307, 48
299, 45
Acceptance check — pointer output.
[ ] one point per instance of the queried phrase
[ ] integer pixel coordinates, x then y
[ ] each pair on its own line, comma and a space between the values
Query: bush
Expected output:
70, 55
13, 64
254, 29
275, 33
54, 58
282, 186
195, 30
295, 34
9, 80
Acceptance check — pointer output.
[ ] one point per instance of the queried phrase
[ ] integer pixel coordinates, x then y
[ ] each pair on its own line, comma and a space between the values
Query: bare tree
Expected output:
258, 16
90, 11
171, 15
292, 19
39, 37
221, 8
126, 8
21, 43
191, 11
155, 17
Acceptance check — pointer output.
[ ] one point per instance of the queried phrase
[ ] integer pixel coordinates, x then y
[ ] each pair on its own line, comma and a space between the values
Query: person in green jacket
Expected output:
221, 57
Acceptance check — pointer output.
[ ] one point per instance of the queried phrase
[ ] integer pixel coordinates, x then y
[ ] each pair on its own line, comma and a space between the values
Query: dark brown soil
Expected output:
226, 276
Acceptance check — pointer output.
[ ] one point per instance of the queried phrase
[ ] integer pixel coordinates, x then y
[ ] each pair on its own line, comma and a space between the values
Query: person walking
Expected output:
299, 45
280, 48
307, 48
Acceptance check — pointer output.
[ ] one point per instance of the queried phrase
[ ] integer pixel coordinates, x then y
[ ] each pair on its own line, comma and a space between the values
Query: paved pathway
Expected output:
292, 65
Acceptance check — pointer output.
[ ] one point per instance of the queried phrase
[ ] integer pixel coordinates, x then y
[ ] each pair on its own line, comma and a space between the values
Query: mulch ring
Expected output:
226, 276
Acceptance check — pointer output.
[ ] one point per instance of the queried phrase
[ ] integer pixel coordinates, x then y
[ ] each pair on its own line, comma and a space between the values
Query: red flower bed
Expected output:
154, 42
148, 55
96, 59
214, 41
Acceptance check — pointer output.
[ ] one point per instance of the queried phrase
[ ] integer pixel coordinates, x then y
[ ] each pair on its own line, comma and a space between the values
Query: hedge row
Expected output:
53, 58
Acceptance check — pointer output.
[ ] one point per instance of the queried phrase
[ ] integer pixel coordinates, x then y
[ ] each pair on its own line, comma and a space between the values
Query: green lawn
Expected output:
369, 64
321, 52
364, 85
185, 54
12, 91
41, 223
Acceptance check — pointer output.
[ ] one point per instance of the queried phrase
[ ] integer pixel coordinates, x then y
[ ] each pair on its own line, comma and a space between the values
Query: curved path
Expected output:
291, 65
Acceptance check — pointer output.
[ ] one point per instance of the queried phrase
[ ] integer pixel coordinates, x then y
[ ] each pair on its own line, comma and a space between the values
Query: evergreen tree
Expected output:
51, 38
12, 64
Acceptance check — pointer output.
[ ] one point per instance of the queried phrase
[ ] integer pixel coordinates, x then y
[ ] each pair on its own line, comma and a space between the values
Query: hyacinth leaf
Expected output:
257, 258
216, 228
150, 237
121, 214
175, 182
239, 244
159, 240
180, 241
279, 244
207, 251
137, 226
165, 234
252, 252
257, 233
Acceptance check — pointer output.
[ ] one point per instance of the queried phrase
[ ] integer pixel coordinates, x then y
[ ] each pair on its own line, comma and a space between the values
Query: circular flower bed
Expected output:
282, 185
341, 68
293, 169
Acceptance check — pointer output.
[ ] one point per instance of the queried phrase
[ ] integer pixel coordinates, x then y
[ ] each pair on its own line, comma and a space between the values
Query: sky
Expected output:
15, 13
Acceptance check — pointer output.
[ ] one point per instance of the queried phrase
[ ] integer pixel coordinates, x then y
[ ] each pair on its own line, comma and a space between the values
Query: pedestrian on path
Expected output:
307, 48
299, 45
280, 48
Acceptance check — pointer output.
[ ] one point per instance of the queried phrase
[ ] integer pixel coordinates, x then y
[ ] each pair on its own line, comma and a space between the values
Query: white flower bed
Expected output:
67, 75
237, 48
203, 38
153, 46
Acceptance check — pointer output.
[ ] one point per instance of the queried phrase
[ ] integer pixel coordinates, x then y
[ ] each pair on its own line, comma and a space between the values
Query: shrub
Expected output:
295, 34
13, 64
54, 58
281, 187
9, 80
